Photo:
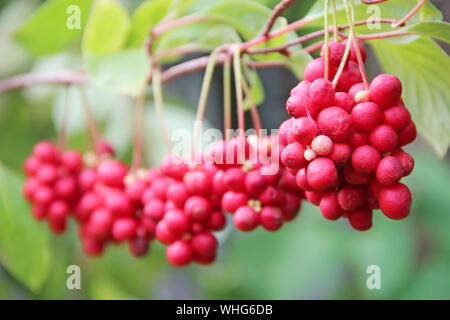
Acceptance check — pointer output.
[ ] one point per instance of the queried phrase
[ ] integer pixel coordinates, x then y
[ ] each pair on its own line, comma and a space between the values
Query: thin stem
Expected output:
227, 99
325, 28
253, 109
138, 132
93, 128
335, 24
159, 106
410, 14
343, 61
206, 85
356, 45
276, 12
238, 87
65, 119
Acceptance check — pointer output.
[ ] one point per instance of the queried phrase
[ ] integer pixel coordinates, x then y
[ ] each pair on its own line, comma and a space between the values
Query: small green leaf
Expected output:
145, 17
24, 247
107, 28
437, 29
422, 67
122, 72
54, 26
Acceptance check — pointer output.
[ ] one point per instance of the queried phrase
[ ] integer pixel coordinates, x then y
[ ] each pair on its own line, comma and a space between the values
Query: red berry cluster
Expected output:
51, 184
344, 143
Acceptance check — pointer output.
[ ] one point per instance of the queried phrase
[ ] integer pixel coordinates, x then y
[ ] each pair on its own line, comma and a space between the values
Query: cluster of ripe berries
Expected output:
181, 204
344, 143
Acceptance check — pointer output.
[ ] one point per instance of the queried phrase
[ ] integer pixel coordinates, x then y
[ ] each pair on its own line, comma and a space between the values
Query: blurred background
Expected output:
310, 258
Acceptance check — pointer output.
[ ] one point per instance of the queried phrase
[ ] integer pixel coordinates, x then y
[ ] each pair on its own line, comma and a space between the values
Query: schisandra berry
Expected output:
406, 160
407, 135
366, 116
360, 219
246, 219
336, 52
340, 154
383, 138
365, 159
315, 70
271, 218
385, 90
397, 117
321, 173
351, 197
390, 171
329, 206
179, 253
335, 123
322, 145
204, 244
344, 101
112, 172
304, 130
322, 93
292, 156
231, 201
395, 201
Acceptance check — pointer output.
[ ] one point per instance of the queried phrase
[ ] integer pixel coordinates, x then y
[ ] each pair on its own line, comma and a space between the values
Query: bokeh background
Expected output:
309, 258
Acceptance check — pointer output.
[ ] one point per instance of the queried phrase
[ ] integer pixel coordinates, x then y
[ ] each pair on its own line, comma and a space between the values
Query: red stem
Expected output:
277, 11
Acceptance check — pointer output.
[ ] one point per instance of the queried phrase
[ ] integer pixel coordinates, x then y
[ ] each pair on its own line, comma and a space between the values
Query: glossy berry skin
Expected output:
197, 182
174, 167
395, 201
179, 253
407, 135
231, 201
329, 206
283, 131
301, 88
292, 156
383, 138
390, 171
92, 247
246, 219
124, 229
340, 154
271, 218
336, 52
164, 234
177, 222
354, 177
321, 173
112, 173
344, 101
360, 219
302, 180
385, 90
304, 130
322, 93
351, 198
365, 159
397, 117
45, 151
335, 123
362, 50
204, 244
297, 104
197, 208
406, 160
234, 179
315, 196
366, 116
315, 70
254, 183
357, 139
350, 76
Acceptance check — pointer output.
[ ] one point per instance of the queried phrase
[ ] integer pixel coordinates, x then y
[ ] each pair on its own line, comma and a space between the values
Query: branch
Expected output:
277, 11
63, 77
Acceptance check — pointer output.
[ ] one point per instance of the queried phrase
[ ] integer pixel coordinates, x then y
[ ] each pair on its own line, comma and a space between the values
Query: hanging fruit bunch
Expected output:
341, 149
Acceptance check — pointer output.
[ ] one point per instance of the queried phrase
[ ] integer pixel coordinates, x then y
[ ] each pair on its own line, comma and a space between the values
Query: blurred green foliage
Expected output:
309, 258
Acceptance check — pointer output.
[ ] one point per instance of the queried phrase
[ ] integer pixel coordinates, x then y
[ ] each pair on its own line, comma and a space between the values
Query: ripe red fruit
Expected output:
351, 197
216, 221
304, 130
254, 183
163, 233
231, 201
234, 179
335, 123
395, 201
322, 93
292, 156
177, 222
302, 181
366, 116
297, 104
87, 179
92, 247
322, 145
336, 52
174, 167
314, 196
283, 131
47, 173
43, 196
71, 160
246, 219
360, 219
135, 190
406, 160
407, 135
385, 90
154, 209
344, 101
301, 88
66, 188
357, 139
350, 75
271, 218
179, 253
198, 208
204, 244
315, 70
272, 196
340, 154
365, 159
383, 138
354, 89
100, 223
390, 171
291, 206
197, 182
321, 173
329, 206
362, 50
177, 193
45, 151
112, 172
397, 117
138, 247
124, 229
354, 177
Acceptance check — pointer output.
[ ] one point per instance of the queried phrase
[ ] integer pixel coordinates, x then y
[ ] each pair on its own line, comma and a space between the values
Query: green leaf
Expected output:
437, 29
24, 247
145, 17
297, 63
107, 28
422, 67
123, 72
47, 31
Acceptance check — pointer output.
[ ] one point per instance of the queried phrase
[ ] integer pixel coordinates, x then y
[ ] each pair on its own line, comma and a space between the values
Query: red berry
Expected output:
304, 130
30, 186
291, 206
350, 75
322, 93
31, 166
321, 173
336, 52
92, 247
407, 135
138, 246
118, 203
87, 204
100, 223
322, 145
292, 156
385, 90
45, 151
231, 201
198, 208
87, 179
362, 50
315, 70
354, 89
174, 167
357, 139
383, 138
43, 195
335, 123
47, 173
217, 221
406, 160
301, 88
344, 101
234, 179
197, 182
351, 197
365, 159
366, 116
58, 211
360, 219
395, 201
112, 172
284, 129
72, 160
66, 188
179, 253
177, 193
390, 171
302, 180
340, 154
124, 229
177, 221
354, 177
246, 219
135, 190
204, 244
254, 183
164, 234
271, 218
329, 206
314, 196
159, 188
397, 117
